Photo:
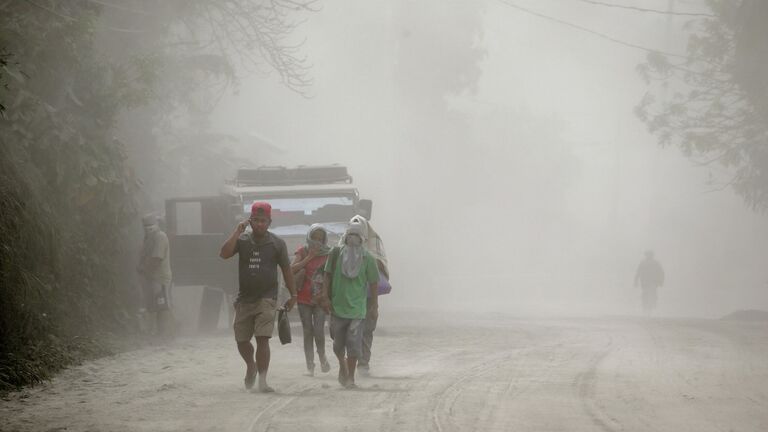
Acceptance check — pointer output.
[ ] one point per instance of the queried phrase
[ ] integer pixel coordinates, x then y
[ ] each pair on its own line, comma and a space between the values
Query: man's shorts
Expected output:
347, 334
254, 319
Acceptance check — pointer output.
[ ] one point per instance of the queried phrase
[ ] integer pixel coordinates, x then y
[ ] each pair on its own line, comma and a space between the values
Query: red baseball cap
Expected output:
260, 208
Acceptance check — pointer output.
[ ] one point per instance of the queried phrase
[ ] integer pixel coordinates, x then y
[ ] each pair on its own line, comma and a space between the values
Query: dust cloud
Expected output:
516, 191
507, 169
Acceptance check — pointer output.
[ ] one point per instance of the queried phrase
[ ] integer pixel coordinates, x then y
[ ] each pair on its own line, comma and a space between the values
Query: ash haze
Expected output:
514, 182
507, 168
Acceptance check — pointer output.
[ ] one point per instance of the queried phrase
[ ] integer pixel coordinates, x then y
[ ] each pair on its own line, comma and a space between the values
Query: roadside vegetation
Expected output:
70, 195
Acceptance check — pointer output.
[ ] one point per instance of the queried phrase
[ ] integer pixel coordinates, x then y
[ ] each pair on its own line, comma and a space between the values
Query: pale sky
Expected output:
552, 117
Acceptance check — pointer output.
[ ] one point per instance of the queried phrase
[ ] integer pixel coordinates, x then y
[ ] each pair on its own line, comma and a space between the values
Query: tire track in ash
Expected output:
446, 398
672, 339
585, 384
542, 348
544, 375
401, 407
263, 419
509, 380
442, 408
663, 336
429, 351
371, 394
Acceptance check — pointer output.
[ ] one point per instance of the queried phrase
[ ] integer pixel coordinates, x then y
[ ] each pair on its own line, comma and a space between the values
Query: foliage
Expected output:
66, 193
717, 114
5, 60
252, 33
192, 53
69, 72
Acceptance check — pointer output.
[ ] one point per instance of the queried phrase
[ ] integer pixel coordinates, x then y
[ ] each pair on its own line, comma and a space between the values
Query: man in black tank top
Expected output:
260, 253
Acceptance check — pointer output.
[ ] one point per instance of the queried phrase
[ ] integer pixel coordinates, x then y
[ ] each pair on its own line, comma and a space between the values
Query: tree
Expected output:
67, 188
5, 61
718, 113
192, 52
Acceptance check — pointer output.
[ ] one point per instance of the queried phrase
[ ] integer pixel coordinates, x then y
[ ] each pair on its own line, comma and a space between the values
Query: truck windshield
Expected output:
306, 210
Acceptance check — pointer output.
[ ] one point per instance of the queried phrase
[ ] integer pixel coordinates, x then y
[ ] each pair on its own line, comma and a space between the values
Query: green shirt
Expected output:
349, 295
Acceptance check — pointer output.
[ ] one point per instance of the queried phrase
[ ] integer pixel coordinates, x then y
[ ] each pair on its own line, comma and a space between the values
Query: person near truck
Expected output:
155, 271
307, 266
350, 292
260, 254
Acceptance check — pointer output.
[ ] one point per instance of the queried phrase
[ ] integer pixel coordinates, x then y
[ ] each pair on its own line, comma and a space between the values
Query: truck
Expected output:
300, 196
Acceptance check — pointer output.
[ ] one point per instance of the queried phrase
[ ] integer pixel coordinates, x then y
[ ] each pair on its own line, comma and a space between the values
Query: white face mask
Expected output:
353, 240
151, 229
352, 255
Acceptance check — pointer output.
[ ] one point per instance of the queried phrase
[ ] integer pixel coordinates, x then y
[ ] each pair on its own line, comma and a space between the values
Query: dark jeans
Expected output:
313, 323
370, 327
347, 337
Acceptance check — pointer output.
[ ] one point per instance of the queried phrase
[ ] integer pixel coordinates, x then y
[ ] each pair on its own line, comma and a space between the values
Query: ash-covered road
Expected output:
438, 372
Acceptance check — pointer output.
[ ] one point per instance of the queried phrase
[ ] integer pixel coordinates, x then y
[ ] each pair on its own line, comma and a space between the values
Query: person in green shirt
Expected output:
350, 282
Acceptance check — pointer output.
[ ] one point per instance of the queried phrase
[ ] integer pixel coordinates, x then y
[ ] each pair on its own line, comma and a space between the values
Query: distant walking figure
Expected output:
649, 276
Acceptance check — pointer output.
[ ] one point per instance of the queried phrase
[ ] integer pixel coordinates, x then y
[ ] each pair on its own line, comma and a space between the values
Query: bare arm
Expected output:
290, 284
299, 263
228, 248
372, 275
373, 300
324, 293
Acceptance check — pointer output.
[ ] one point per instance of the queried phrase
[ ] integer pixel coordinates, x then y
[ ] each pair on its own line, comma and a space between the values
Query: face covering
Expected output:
352, 254
354, 240
363, 225
322, 246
